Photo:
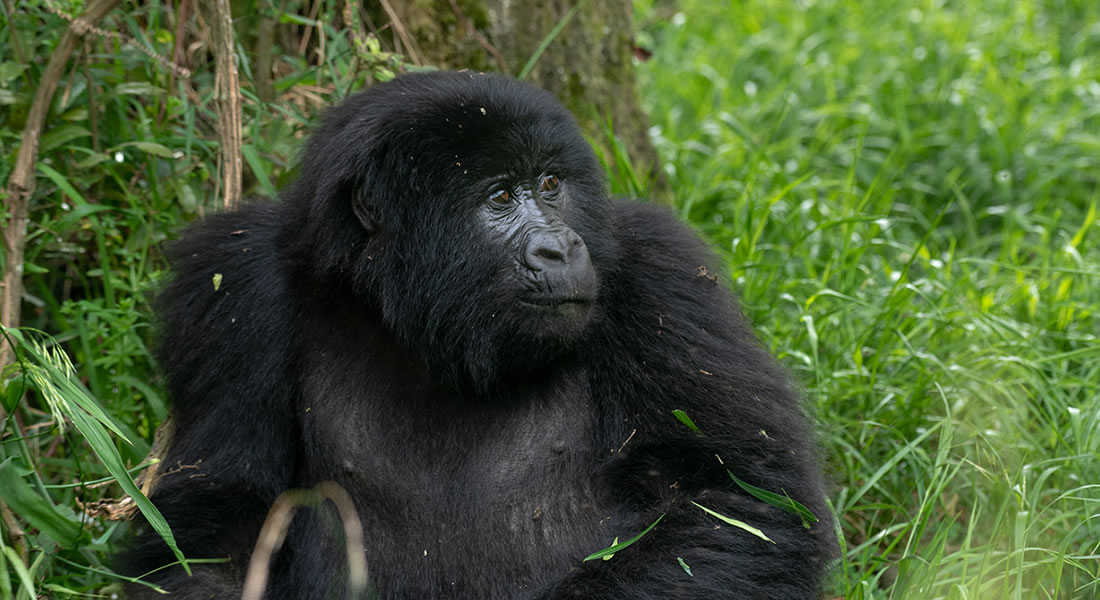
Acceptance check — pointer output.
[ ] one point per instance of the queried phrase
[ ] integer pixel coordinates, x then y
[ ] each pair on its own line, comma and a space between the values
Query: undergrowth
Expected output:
906, 196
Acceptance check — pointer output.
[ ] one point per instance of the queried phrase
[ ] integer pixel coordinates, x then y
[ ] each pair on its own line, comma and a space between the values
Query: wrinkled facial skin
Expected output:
555, 274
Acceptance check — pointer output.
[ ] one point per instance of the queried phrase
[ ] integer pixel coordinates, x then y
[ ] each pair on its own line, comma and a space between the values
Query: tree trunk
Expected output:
587, 65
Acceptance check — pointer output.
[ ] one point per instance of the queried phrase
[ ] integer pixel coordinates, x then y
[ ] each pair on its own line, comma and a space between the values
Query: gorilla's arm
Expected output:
227, 347
672, 337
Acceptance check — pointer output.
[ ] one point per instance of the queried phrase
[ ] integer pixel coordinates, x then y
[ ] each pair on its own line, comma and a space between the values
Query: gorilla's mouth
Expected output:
554, 301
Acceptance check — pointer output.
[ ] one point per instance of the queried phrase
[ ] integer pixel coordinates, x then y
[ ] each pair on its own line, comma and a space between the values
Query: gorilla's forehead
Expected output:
475, 120
432, 133
468, 98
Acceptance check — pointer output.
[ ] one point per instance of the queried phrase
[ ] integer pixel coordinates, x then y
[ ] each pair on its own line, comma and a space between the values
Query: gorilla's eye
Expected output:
549, 183
501, 197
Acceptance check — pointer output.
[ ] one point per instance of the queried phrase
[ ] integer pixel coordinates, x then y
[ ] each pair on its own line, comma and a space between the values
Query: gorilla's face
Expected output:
481, 219
513, 230
552, 279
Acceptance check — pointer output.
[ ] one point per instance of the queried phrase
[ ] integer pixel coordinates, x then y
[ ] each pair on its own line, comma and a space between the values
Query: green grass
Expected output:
906, 195
907, 198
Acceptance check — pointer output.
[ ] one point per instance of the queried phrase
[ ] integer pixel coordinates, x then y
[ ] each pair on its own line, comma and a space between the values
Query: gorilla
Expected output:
448, 317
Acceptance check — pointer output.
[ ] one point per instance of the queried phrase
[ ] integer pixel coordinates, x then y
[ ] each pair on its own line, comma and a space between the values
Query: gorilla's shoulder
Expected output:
246, 236
666, 274
227, 282
652, 242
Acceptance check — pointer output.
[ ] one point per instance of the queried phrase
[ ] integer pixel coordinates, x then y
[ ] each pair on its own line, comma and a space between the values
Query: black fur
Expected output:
364, 332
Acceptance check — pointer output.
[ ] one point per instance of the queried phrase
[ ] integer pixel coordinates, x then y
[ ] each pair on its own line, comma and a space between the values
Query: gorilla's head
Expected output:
469, 211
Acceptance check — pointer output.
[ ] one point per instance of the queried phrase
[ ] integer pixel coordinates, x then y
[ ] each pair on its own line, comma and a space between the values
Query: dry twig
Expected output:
411, 49
275, 529
228, 93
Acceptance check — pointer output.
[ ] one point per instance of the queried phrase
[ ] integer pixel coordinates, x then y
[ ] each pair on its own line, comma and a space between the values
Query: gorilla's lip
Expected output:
554, 301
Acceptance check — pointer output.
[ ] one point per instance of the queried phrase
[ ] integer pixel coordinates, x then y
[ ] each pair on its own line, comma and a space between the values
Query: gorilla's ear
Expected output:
366, 212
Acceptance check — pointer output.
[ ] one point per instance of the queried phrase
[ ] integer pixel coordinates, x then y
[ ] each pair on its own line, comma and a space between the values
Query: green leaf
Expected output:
5, 576
38, 511
70, 397
217, 280
286, 18
152, 398
383, 74
138, 88
187, 199
617, 547
779, 501
61, 181
92, 160
258, 169
51, 373
686, 420
684, 566
21, 571
76, 114
149, 148
58, 136
613, 542
13, 393
735, 523
97, 438
70, 218
10, 70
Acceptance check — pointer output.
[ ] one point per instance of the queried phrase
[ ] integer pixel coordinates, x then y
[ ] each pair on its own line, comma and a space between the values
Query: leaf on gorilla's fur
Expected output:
686, 420
613, 542
735, 523
617, 547
684, 566
777, 500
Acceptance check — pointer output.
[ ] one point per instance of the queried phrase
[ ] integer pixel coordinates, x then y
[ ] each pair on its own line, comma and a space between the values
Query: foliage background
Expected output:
906, 195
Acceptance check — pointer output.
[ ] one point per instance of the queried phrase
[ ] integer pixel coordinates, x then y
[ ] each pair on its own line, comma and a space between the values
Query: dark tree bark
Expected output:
587, 65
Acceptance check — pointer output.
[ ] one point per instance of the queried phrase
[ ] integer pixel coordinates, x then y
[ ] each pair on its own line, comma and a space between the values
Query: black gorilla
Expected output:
448, 317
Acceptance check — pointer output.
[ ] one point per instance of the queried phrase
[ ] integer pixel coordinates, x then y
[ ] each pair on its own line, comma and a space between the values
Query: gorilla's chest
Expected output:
409, 439
442, 483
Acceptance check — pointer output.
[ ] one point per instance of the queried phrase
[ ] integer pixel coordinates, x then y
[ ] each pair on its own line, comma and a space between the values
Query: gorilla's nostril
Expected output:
548, 253
551, 249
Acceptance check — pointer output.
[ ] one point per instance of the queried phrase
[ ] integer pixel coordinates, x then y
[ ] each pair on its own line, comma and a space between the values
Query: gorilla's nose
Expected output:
554, 250
559, 264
